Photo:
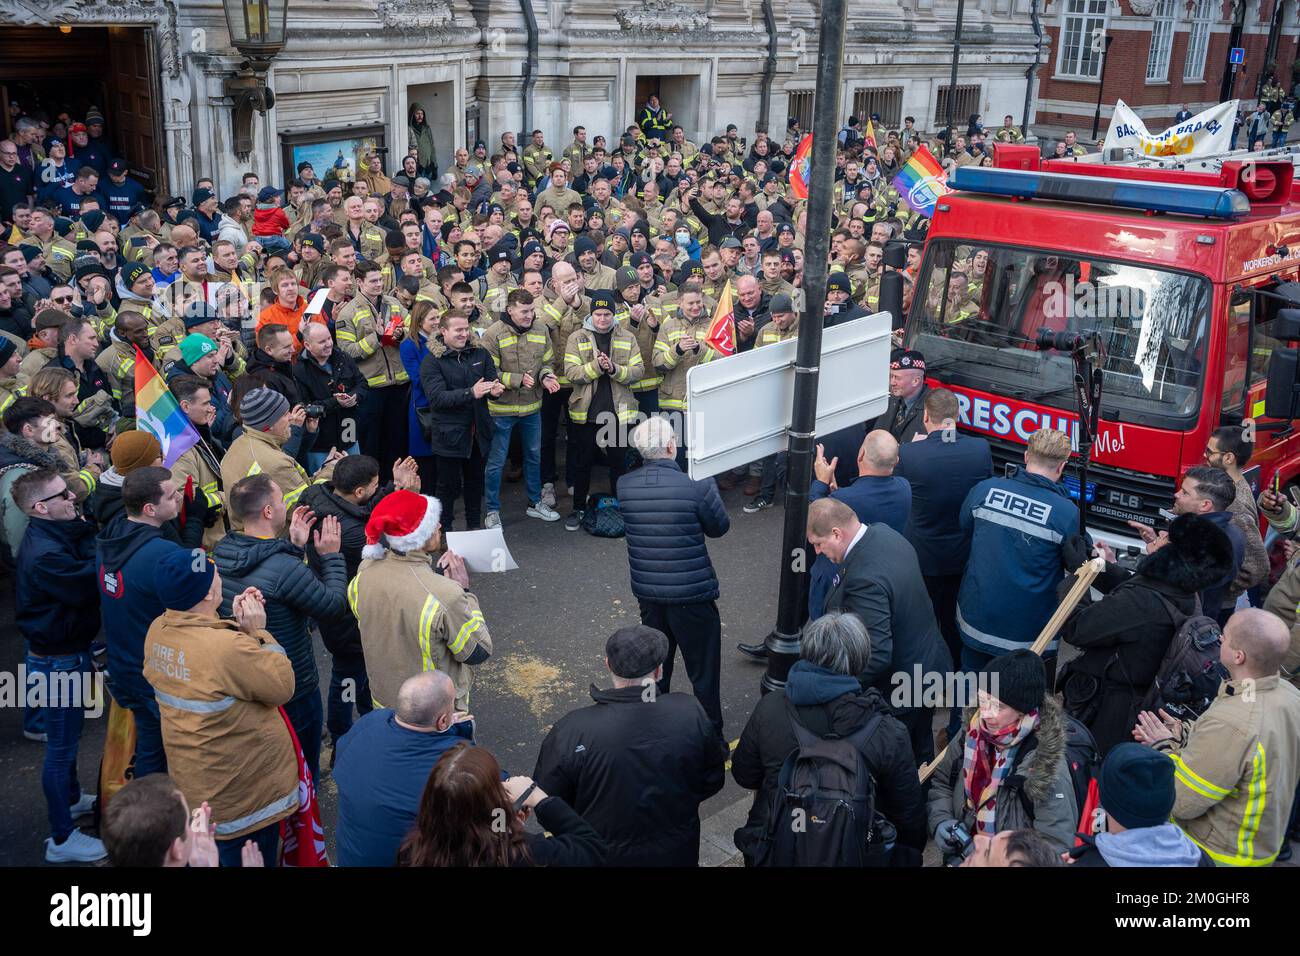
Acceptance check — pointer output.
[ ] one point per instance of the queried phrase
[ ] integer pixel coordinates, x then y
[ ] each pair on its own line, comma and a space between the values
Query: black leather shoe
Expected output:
757, 651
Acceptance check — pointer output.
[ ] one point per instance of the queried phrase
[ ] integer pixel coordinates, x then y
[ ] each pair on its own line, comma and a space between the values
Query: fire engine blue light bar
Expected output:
1214, 202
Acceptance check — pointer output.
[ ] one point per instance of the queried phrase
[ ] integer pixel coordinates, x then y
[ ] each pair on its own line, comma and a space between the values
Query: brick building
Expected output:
1162, 54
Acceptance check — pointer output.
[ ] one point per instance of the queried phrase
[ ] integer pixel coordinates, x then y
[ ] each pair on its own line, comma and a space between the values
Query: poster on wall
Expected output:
333, 155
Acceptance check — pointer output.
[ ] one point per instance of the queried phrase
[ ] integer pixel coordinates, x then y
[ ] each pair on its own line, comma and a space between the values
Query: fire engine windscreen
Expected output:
979, 311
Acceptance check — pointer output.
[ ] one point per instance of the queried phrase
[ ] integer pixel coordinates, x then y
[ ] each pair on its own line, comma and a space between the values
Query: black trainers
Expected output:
573, 522
760, 503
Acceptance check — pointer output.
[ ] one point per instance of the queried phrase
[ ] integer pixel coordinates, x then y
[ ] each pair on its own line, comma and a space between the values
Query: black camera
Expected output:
315, 411
1047, 341
961, 844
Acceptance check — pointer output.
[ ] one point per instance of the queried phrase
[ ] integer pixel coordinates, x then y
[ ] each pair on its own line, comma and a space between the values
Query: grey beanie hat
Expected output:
262, 408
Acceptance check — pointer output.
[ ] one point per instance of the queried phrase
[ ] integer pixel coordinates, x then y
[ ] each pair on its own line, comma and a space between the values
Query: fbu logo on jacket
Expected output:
110, 583
1010, 503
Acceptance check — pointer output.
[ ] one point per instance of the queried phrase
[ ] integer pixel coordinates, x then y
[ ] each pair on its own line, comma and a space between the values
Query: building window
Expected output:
887, 102
801, 108
1083, 31
1162, 41
966, 103
1198, 40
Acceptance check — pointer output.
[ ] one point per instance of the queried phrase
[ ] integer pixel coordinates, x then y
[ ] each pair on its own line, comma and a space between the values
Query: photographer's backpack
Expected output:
823, 812
1190, 673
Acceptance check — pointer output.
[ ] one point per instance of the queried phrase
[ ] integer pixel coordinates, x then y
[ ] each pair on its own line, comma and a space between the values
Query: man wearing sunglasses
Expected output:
58, 616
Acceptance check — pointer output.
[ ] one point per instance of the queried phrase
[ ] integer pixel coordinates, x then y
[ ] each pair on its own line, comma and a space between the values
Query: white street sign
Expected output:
740, 407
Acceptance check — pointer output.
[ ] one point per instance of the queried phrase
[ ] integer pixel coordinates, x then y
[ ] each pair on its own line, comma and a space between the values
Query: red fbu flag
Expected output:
722, 330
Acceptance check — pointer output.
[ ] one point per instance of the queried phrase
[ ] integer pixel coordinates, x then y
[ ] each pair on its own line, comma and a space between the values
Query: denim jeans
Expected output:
229, 852
316, 459
33, 717
773, 472
149, 754
338, 717
530, 428
308, 718
65, 715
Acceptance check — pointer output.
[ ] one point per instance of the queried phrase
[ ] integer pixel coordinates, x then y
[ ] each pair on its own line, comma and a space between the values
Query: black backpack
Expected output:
823, 812
1190, 673
603, 518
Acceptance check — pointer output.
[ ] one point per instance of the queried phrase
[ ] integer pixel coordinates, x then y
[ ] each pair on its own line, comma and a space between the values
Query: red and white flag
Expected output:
722, 330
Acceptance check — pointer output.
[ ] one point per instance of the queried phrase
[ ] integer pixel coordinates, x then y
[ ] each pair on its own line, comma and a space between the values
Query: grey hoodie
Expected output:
1165, 845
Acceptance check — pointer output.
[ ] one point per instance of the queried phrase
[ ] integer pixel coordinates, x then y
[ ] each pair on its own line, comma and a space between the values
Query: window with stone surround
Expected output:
887, 101
1198, 40
1162, 41
1083, 31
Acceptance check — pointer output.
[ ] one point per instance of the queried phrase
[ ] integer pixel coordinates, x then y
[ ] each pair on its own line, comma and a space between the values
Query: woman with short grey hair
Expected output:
823, 696
838, 642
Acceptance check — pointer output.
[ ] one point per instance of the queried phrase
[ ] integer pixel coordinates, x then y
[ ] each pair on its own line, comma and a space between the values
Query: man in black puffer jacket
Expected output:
824, 689
349, 496
258, 557
636, 765
458, 375
1124, 637
668, 516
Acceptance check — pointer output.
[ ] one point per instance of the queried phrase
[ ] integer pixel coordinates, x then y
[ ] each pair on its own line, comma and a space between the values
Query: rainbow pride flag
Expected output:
158, 412
801, 168
921, 182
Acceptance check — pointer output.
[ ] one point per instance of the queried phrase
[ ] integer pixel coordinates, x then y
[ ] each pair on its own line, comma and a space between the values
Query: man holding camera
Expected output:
333, 388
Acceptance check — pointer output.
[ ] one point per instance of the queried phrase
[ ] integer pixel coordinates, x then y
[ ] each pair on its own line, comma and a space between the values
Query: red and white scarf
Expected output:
988, 759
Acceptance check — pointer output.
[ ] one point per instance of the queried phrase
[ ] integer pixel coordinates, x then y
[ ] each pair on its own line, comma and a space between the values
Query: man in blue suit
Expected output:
942, 468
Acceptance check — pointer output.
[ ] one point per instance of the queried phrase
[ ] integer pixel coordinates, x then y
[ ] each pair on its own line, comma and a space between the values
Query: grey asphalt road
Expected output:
549, 621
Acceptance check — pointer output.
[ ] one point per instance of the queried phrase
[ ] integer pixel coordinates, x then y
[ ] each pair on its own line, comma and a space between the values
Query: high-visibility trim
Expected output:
1257, 795
343, 335
673, 403
507, 340
6, 401
291, 497
195, 706
463, 635
275, 807
513, 410
380, 379
1194, 781
352, 597
427, 615
537, 338
366, 346
254, 469
88, 477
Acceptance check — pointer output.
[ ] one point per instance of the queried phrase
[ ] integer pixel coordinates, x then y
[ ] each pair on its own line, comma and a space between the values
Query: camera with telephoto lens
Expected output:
1048, 341
315, 411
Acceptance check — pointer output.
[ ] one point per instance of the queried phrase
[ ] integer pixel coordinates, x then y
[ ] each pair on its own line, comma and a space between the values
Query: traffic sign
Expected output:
1237, 55
740, 407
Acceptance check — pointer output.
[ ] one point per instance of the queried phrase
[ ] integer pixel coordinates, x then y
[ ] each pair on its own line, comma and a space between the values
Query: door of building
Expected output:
132, 81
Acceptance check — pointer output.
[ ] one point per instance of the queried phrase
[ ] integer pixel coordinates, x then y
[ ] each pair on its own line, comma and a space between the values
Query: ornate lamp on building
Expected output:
257, 30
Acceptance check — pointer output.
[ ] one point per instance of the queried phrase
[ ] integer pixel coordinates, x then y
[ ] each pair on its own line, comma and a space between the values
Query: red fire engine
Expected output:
1183, 272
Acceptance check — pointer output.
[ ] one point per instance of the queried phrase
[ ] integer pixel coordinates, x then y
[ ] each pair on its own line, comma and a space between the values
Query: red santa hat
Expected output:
402, 521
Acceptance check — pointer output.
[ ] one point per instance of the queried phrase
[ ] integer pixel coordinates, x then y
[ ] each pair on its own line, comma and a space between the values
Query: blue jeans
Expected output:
65, 715
316, 459
338, 715
530, 432
33, 717
273, 244
149, 754
308, 718
267, 840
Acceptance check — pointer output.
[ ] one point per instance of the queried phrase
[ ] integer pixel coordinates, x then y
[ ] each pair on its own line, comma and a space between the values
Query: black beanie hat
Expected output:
1017, 679
1136, 786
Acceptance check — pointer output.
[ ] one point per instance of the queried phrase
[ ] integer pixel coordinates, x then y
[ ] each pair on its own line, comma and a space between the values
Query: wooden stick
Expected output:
1083, 578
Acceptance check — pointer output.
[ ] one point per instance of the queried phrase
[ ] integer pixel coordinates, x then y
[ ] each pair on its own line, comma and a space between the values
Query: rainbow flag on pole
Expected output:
801, 168
921, 182
158, 412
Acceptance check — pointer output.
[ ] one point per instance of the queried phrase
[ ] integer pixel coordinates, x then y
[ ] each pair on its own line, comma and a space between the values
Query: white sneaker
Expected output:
493, 520
77, 848
544, 511
37, 736
83, 806
548, 494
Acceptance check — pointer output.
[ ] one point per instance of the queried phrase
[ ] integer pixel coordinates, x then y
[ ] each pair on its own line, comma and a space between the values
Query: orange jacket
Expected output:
276, 314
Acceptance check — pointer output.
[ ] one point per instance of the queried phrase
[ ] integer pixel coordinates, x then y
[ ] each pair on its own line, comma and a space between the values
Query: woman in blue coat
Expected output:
415, 346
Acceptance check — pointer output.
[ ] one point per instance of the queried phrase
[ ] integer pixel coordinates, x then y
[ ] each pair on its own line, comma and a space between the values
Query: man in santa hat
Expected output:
414, 614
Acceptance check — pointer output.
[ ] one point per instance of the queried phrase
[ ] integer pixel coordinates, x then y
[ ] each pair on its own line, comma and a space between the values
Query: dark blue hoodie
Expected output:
126, 553
808, 685
1212, 597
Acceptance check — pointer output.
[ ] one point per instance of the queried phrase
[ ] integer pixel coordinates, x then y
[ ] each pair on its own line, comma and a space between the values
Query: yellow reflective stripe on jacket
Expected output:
254, 469
291, 497
1190, 779
466, 629
427, 614
380, 379
496, 408
1257, 794
675, 403
352, 597
88, 477
6, 402
506, 341
210, 493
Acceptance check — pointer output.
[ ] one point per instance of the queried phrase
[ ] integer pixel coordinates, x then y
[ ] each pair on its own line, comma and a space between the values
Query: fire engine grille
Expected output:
1116, 495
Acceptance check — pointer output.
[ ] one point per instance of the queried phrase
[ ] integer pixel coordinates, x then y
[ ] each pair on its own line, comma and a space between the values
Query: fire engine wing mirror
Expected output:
1282, 393
896, 254
891, 298
1290, 291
